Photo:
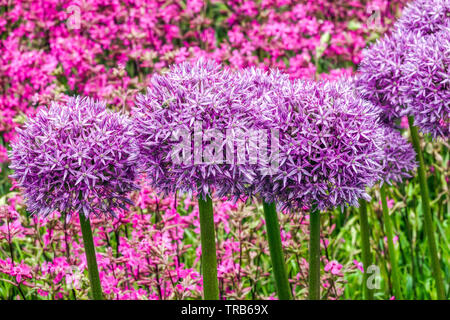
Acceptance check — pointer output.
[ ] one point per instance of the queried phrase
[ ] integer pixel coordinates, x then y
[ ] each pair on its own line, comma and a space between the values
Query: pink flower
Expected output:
334, 267
3, 154
394, 240
390, 203
42, 293
404, 122
194, 5
359, 265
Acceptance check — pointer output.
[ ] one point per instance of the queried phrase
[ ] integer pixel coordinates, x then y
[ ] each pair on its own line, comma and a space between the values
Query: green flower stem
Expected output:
208, 241
89, 249
314, 254
390, 239
428, 220
365, 247
276, 251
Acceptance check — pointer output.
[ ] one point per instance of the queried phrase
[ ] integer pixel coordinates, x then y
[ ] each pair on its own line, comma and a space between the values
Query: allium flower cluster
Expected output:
188, 125
263, 83
76, 157
399, 156
330, 145
262, 93
426, 88
380, 78
425, 17
407, 72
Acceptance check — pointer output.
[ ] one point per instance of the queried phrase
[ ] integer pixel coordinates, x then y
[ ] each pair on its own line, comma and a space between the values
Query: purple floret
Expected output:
77, 156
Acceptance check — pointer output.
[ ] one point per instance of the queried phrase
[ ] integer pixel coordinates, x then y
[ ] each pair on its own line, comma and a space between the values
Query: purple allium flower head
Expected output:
262, 91
330, 145
194, 106
263, 83
426, 88
265, 91
407, 73
77, 156
380, 78
425, 17
399, 156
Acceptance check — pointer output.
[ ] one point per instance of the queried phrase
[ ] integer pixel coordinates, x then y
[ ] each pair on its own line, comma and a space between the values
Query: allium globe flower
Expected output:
380, 79
399, 156
186, 125
77, 156
407, 73
425, 17
330, 145
426, 85
263, 83
261, 89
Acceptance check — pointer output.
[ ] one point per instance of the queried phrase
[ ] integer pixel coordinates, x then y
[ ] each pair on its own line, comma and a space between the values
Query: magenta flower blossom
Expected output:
330, 145
334, 267
76, 157
186, 111
399, 156
358, 265
426, 88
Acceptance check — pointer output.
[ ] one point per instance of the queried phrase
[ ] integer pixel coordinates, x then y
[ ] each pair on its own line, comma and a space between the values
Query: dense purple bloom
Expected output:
380, 78
425, 17
330, 145
262, 89
399, 156
263, 83
407, 72
195, 105
426, 88
77, 156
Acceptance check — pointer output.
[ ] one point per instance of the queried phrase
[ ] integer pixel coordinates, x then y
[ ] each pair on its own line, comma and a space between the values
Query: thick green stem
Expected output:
390, 239
209, 258
365, 247
314, 254
89, 249
276, 251
428, 220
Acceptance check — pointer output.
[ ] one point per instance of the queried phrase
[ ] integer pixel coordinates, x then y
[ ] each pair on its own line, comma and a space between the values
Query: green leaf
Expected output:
325, 38
354, 25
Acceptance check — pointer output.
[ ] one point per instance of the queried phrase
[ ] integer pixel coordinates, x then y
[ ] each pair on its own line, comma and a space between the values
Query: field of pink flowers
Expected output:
53, 49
